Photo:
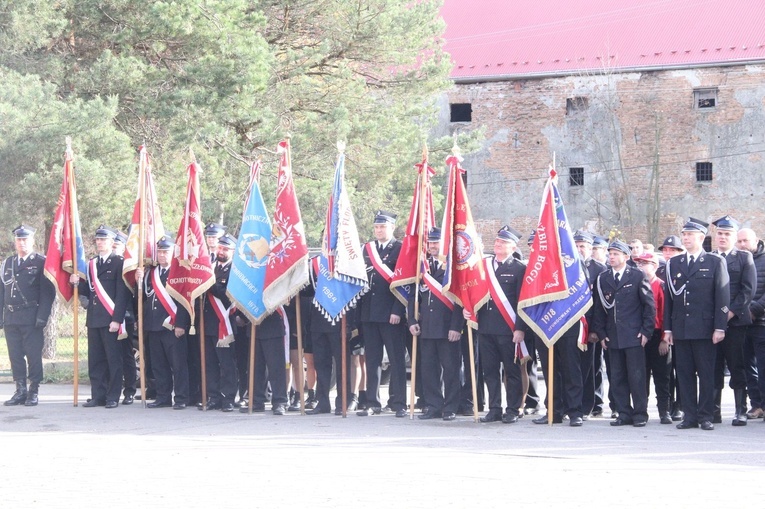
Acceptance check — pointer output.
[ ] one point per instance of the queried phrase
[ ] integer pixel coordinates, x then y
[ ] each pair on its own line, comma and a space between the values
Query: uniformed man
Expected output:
600, 249
213, 233
130, 344
500, 329
381, 314
623, 319
672, 246
695, 318
25, 305
166, 342
439, 330
270, 364
743, 280
106, 297
592, 268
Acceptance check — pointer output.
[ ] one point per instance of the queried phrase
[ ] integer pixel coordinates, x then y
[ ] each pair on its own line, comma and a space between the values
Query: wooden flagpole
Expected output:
202, 360
344, 360
69, 156
301, 377
421, 227
551, 372
251, 373
472, 371
141, 254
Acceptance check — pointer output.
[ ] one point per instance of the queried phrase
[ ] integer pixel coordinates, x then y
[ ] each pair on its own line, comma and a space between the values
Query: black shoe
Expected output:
510, 418
717, 419
227, 407
621, 422
387, 410
739, 420
310, 401
597, 412
492, 416
32, 400
353, 405
211, 405
128, 399
401, 412
576, 422
449, 416
93, 403
111, 404
280, 410
319, 410
467, 411
256, 408
429, 414
179, 406
678, 415
639, 424
614, 415
543, 420
159, 404
687, 425
707, 426
531, 410
665, 418
369, 411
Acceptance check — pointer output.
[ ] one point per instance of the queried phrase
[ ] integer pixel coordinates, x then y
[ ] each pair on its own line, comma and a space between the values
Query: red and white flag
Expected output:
191, 272
287, 269
461, 248
413, 246
151, 229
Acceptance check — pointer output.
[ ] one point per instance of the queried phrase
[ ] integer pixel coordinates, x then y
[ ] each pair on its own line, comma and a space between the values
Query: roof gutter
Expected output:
599, 71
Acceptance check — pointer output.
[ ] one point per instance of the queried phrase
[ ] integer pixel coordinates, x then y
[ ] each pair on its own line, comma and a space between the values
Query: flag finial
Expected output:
341, 146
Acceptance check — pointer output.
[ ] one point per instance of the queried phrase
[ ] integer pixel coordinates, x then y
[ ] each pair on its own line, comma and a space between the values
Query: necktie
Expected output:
162, 271
616, 278
691, 261
379, 248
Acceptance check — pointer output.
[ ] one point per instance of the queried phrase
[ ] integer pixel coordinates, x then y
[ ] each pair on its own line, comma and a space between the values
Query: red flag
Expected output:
65, 237
287, 269
461, 248
153, 229
420, 222
191, 272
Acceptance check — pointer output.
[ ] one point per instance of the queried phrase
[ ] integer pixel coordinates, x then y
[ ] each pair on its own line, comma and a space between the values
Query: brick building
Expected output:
653, 109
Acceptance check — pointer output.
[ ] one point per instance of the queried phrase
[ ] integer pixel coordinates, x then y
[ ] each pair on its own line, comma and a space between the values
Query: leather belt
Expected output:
19, 307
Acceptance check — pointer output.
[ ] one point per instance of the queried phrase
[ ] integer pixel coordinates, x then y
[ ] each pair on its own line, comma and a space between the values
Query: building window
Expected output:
576, 176
704, 98
576, 104
703, 172
461, 112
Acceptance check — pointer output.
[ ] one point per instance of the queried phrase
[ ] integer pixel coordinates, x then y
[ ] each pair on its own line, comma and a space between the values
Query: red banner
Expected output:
191, 272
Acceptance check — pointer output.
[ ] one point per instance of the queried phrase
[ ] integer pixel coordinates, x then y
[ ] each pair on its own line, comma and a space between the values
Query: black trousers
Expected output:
25, 342
270, 368
730, 351
220, 370
327, 346
441, 362
105, 357
195, 368
588, 379
242, 351
170, 363
532, 397
129, 370
568, 384
466, 398
660, 366
628, 378
696, 357
754, 359
497, 352
376, 336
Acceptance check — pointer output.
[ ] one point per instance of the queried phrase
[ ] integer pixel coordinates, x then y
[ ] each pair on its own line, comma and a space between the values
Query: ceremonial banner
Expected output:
555, 294
341, 271
287, 269
152, 226
413, 245
191, 271
249, 262
461, 248
60, 259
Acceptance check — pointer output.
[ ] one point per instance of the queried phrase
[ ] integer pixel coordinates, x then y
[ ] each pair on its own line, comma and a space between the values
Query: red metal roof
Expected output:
496, 38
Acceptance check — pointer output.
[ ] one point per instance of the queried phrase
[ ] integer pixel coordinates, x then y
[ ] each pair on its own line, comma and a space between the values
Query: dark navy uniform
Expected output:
270, 364
168, 352
623, 311
376, 307
105, 352
695, 306
25, 305
440, 357
591, 358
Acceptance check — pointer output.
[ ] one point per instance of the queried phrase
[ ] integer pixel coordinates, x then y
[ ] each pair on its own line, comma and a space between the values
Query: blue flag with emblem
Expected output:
341, 274
248, 267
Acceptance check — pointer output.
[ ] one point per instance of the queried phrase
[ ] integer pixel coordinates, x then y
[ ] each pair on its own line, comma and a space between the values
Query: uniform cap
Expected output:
120, 237
618, 245
214, 230
673, 241
507, 234
600, 242
696, 225
165, 242
726, 223
227, 240
104, 232
385, 217
434, 235
583, 236
23, 232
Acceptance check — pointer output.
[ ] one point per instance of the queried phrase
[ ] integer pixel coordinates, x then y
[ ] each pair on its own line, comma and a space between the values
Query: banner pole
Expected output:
550, 384
202, 360
344, 360
76, 307
139, 289
301, 374
251, 373
472, 372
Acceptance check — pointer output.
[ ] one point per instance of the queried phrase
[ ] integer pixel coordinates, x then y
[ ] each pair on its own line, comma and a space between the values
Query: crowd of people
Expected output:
681, 315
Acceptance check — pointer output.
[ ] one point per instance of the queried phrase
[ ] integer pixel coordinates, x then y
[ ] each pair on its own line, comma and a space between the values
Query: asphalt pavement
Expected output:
57, 455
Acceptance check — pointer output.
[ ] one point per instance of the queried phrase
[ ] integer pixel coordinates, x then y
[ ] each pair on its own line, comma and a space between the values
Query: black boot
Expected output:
20, 396
32, 394
294, 398
664, 415
362, 403
311, 401
739, 395
717, 416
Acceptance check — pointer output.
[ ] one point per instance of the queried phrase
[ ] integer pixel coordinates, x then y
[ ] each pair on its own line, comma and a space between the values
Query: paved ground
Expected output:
56, 455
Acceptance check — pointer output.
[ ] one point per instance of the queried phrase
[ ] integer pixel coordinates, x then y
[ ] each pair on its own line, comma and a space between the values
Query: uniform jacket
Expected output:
272, 327
154, 313
696, 301
379, 302
436, 319
758, 300
109, 274
217, 290
743, 280
593, 268
27, 295
633, 311
510, 277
